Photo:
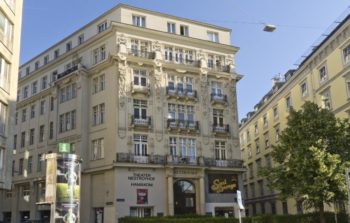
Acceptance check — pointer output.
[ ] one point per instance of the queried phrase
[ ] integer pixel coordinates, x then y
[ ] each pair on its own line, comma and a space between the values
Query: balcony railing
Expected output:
141, 122
231, 163
221, 129
176, 124
178, 160
180, 60
142, 53
219, 98
182, 160
68, 71
132, 158
186, 94
219, 68
136, 88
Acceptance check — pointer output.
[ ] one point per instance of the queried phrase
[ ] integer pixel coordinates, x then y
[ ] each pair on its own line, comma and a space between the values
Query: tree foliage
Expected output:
310, 157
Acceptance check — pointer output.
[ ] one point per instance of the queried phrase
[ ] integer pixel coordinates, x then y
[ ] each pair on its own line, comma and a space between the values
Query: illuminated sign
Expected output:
222, 183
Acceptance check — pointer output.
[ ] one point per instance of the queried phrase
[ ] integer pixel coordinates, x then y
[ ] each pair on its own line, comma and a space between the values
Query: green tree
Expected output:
310, 158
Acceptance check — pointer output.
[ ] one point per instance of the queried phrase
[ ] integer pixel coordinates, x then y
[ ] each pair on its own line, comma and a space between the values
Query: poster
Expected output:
142, 196
50, 178
67, 189
222, 183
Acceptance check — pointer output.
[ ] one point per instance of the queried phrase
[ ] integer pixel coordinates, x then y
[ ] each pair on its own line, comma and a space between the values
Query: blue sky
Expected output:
261, 56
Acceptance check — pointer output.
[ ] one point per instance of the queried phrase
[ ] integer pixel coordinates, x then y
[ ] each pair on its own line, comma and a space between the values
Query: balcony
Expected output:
185, 94
132, 158
182, 160
181, 61
142, 54
68, 71
218, 98
137, 88
183, 125
229, 163
141, 122
219, 68
221, 129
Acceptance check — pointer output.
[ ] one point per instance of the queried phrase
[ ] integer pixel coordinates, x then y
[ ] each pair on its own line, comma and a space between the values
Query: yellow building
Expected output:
10, 31
148, 101
323, 77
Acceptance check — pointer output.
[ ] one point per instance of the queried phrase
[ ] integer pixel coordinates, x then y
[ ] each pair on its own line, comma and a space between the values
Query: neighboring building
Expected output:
148, 101
10, 31
323, 77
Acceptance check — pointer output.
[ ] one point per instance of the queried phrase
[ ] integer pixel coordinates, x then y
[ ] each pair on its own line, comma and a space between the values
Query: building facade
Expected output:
148, 101
10, 31
323, 77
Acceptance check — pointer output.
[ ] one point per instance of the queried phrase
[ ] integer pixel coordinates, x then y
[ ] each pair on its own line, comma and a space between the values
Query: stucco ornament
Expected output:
122, 79
122, 47
157, 49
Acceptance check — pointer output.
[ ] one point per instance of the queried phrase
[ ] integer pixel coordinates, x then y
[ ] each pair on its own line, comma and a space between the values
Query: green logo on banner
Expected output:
64, 148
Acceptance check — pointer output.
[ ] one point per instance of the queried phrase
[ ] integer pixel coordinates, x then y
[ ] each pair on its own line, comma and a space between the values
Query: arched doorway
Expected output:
184, 198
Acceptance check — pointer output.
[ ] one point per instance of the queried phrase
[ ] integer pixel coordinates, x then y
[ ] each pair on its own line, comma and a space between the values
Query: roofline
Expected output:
120, 5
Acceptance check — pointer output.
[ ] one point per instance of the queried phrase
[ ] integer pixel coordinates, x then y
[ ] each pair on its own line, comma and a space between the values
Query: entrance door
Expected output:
184, 198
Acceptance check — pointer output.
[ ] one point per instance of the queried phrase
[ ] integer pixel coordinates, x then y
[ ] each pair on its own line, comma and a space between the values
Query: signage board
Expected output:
64, 148
222, 183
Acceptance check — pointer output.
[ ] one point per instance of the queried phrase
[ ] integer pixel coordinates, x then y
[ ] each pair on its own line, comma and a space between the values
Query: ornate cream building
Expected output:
322, 77
148, 101
10, 31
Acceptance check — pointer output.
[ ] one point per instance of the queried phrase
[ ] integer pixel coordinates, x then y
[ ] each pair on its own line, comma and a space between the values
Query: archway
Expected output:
184, 198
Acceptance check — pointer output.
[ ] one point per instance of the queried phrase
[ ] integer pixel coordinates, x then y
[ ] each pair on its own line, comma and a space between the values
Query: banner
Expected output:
142, 196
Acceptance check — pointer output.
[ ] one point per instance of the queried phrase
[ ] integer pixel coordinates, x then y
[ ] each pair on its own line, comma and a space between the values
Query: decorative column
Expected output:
170, 196
202, 195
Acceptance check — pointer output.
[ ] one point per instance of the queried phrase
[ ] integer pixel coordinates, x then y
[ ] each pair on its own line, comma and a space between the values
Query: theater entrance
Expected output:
184, 198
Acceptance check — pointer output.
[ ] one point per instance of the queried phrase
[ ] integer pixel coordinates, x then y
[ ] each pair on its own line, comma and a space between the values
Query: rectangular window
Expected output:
140, 109
140, 77
323, 74
20, 167
183, 30
34, 87
15, 142
210, 62
267, 140
346, 54
171, 27
220, 151
99, 54
32, 111
257, 146
6, 29
41, 133
275, 113
326, 100
42, 107
46, 59
56, 53
256, 129
39, 163
52, 103
102, 26
139, 21
277, 134
288, 103
80, 39
25, 92
67, 121
172, 146
36, 65
68, 92
168, 53
51, 131
140, 145
216, 88
97, 149
249, 150
31, 136
43, 82
30, 164
303, 89
24, 115
3, 118
68, 46
218, 117
98, 114
27, 71
265, 122
214, 37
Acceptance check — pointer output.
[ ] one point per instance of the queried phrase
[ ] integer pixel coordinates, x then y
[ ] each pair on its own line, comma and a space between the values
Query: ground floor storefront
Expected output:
138, 191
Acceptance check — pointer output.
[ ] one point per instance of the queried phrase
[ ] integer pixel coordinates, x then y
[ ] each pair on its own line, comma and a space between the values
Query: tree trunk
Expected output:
321, 210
